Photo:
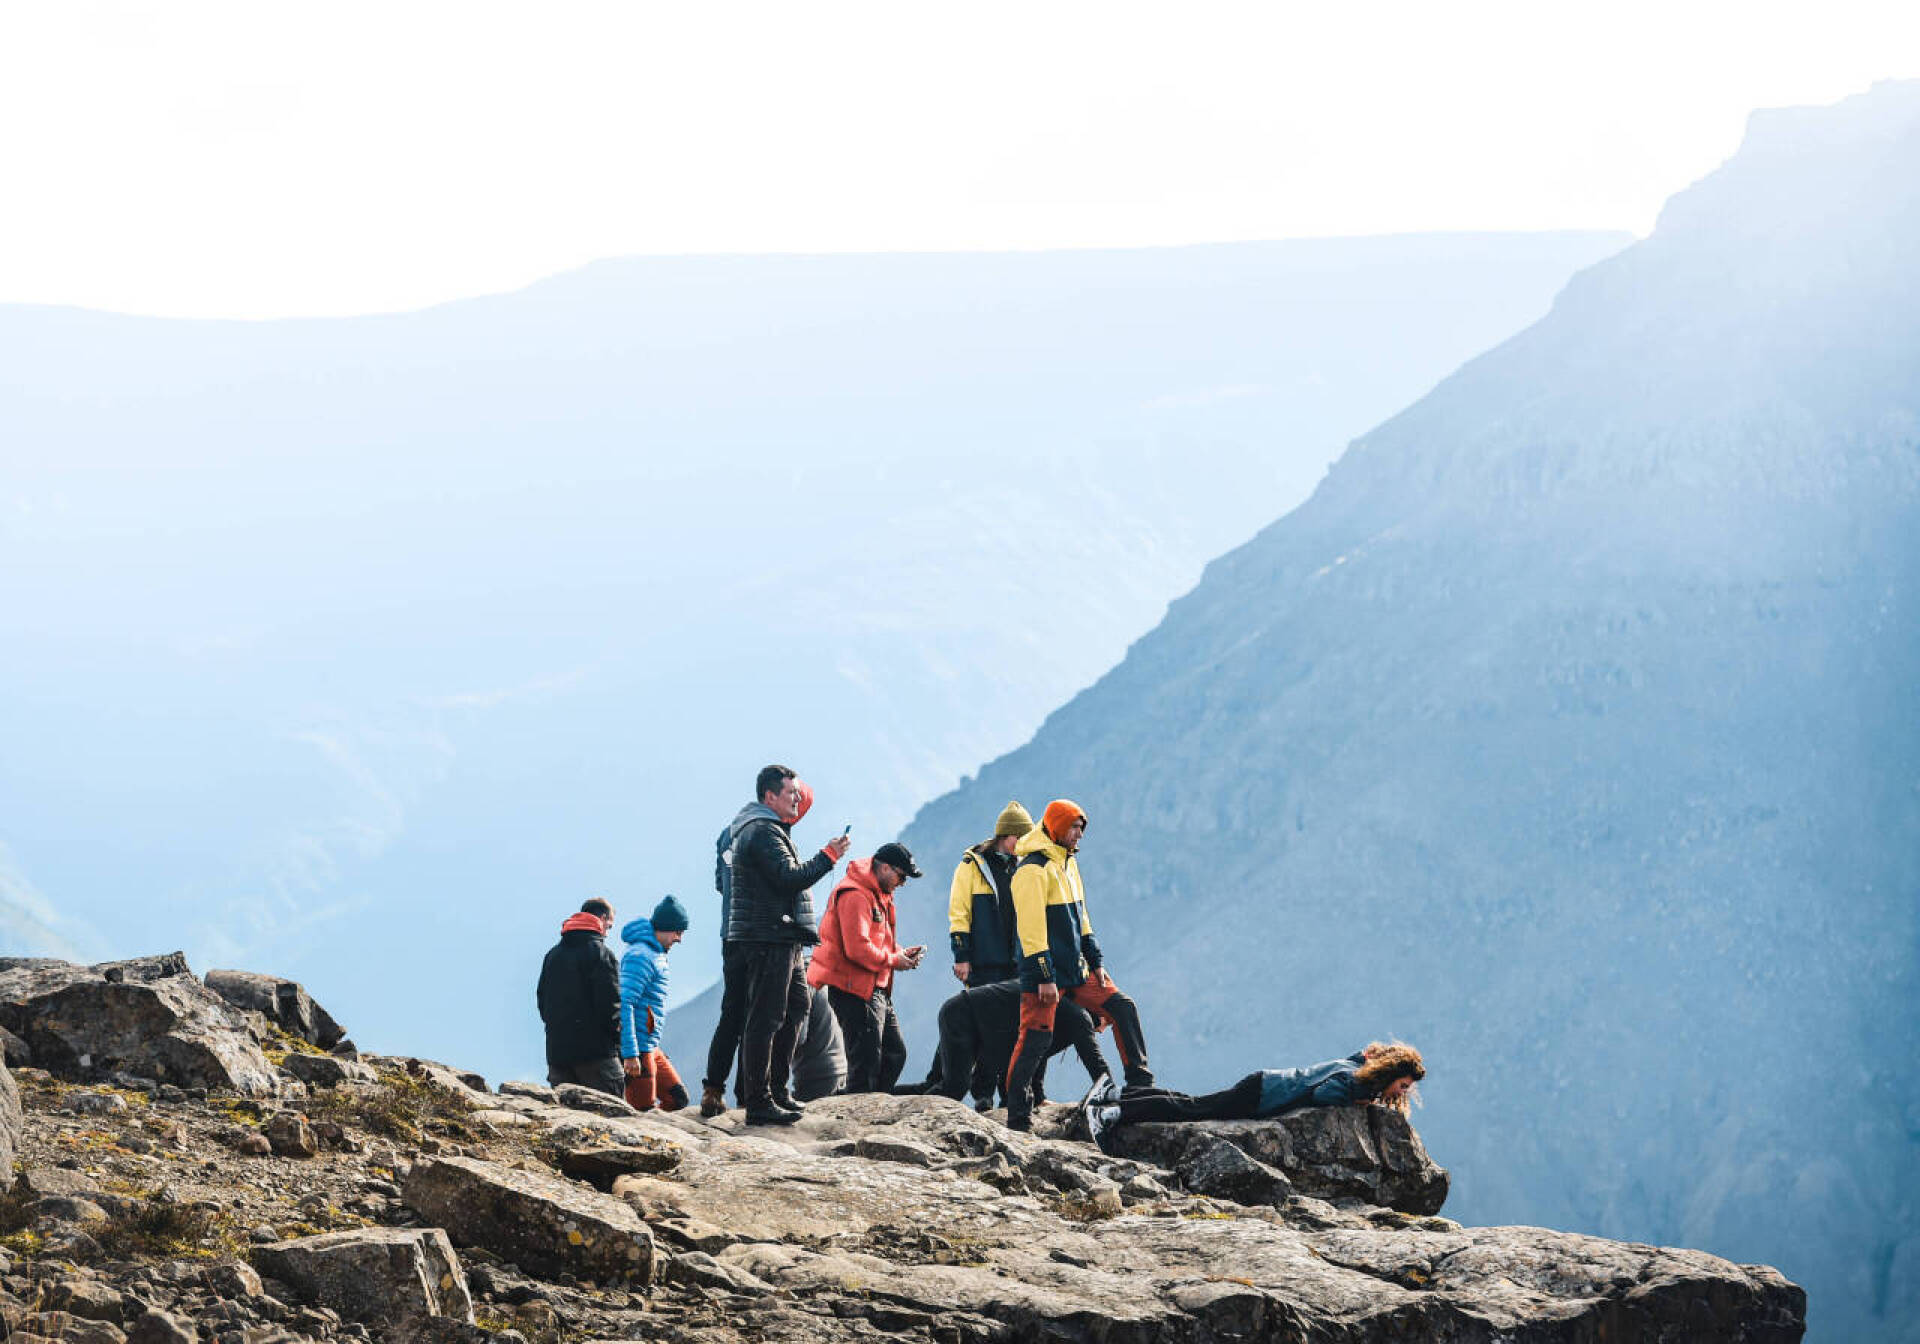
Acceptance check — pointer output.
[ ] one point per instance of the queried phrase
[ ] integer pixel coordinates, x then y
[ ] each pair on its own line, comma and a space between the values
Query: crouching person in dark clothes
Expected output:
819, 1054
1381, 1074
651, 1078
579, 998
770, 924
1060, 959
858, 954
977, 1031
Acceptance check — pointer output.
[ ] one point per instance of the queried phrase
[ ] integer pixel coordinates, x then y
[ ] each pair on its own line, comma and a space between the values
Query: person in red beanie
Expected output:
1059, 958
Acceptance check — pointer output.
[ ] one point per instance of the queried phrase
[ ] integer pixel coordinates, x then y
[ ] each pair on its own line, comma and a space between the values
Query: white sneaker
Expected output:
1100, 1121
1106, 1091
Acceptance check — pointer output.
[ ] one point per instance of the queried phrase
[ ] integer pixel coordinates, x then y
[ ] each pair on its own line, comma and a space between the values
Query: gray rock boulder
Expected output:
545, 1224
285, 1003
601, 1163
148, 1016
1368, 1153
1222, 1171
327, 1070
391, 1277
578, 1098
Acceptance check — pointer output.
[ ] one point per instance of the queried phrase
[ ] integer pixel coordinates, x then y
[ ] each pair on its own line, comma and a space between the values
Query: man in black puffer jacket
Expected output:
769, 924
579, 998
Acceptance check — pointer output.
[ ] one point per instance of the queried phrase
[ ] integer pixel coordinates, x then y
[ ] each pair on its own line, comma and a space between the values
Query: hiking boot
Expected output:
1104, 1092
1020, 1124
1100, 1120
713, 1101
783, 1101
771, 1115
983, 1104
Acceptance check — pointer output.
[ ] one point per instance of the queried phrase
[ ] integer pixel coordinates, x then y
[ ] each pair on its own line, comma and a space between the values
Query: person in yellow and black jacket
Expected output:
980, 927
980, 922
1060, 959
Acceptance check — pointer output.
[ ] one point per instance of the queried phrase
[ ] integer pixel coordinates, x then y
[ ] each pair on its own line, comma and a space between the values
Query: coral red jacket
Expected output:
859, 949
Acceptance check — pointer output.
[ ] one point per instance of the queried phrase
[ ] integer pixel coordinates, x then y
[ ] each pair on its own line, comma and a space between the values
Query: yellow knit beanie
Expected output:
1014, 820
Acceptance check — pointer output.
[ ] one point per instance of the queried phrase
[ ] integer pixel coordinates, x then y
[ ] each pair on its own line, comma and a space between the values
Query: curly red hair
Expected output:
1387, 1063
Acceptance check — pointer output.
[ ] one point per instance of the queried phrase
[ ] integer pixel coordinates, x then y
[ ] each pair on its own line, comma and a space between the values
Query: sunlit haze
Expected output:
264, 160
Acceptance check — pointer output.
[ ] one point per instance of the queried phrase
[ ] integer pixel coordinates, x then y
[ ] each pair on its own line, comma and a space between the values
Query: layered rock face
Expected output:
421, 1207
1568, 732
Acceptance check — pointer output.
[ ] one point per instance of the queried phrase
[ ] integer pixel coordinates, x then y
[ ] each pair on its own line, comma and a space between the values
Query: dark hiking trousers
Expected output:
776, 996
971, 1040
876, 1051
602, 1075
1239, 1102
733, 1016
990, 1075
1035, 1042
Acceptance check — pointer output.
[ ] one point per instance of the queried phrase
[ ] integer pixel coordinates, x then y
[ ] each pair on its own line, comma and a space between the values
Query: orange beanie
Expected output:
806, 799
1060, 814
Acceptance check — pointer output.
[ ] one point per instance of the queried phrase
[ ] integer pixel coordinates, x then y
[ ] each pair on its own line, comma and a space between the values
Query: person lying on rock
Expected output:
1380, 1075
977, 1031
651, 1078
579, 1000
1059, 959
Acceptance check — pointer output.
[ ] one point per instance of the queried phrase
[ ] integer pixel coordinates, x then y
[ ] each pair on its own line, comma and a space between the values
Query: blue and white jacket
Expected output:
1326, 1084
643, 989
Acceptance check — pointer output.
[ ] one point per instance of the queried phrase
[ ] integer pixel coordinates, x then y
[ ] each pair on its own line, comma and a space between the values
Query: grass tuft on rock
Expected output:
400, 1106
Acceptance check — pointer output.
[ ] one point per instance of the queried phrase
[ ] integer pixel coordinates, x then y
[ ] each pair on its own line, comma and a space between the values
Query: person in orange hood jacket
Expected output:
858, 954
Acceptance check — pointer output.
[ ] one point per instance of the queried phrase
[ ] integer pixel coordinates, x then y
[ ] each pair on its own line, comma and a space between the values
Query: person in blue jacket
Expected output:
651, 1078
1381, 1074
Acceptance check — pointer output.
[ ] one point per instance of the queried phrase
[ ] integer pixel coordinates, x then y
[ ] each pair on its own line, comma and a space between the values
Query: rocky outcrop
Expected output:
285, 1003
326, 1070
1368, 1153
393, 1277
543, 1223
148, 1017
912, 1217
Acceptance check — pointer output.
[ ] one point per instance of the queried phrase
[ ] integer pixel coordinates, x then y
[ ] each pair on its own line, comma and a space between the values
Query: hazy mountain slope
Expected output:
370, 647
1569, 731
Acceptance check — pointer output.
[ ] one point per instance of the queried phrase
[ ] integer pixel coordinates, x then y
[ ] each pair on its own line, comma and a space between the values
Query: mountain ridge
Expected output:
1539, 731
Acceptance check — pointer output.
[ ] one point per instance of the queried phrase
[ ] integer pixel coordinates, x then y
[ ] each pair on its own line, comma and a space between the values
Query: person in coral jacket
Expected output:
858, 954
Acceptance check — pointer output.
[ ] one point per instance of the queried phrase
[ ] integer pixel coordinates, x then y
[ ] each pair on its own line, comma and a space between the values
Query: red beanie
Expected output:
1060, 814
806, 799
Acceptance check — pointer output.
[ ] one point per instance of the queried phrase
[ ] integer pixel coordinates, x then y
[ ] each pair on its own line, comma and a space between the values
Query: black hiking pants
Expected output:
733, 1016
776, 998
870, 1029
1239, 1102
989, 1073
602, 1075
977, 1031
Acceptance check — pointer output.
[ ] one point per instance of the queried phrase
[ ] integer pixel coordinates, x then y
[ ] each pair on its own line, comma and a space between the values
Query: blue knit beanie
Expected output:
669, 916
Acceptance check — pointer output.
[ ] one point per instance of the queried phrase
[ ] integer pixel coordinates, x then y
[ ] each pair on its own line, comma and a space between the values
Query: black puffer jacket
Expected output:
579, 996
771, 903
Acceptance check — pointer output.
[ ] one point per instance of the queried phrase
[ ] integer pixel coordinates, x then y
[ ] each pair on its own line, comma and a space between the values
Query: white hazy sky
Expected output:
264, 159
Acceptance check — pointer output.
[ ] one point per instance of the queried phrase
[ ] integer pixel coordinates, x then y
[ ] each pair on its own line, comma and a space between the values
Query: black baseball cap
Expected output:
896, 855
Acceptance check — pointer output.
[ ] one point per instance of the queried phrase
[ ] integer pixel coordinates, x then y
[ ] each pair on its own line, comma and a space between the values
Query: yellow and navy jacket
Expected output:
1050, 908
980, 921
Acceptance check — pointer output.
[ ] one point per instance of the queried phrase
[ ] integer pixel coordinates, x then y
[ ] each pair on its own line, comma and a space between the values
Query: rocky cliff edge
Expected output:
213, 1160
